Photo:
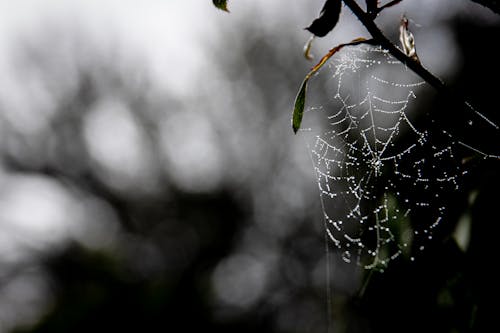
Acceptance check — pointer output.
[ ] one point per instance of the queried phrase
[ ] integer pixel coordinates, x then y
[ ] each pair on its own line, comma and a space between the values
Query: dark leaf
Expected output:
327, 20
300, 102
221, 4
300, 99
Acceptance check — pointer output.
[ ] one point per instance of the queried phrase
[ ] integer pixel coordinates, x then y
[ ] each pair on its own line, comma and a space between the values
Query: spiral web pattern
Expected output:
384, 173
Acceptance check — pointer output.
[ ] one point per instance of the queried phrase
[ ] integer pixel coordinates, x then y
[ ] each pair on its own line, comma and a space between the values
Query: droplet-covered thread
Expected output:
382, 177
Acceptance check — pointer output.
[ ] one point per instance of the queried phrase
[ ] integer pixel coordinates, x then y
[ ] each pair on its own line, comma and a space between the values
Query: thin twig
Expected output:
387, 5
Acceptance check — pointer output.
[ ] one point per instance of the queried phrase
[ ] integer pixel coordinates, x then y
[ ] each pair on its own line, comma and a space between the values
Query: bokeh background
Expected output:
150, 180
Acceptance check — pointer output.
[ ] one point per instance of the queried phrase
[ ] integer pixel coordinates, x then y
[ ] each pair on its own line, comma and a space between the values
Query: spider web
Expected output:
385, 171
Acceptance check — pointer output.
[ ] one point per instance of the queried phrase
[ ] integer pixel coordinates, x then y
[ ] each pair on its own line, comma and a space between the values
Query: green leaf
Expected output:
221, 4
300, 102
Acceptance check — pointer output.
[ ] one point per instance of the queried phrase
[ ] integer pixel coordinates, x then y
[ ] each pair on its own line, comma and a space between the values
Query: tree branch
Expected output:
387, 5
385, 43
378, 36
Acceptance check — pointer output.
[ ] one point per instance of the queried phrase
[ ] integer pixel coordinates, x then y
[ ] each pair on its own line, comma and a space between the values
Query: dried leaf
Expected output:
307, 48
327, 20
407, 40
221, 4
300, 99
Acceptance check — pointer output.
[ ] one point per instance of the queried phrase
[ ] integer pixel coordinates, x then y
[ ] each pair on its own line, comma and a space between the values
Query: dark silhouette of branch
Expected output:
387, 5
378, 36
367, 20
373, 9
371, 6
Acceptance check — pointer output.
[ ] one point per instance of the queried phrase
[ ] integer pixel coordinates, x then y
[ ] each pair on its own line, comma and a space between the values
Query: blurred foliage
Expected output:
494, 5
158, 276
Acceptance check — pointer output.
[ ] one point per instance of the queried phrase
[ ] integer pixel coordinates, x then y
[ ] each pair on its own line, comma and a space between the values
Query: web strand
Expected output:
383, 175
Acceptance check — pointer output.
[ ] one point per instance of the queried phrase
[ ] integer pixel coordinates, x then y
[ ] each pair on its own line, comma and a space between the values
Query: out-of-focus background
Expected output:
150, 180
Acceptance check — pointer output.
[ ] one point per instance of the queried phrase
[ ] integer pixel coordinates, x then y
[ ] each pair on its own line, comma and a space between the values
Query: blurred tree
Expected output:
494, 5
158, 274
